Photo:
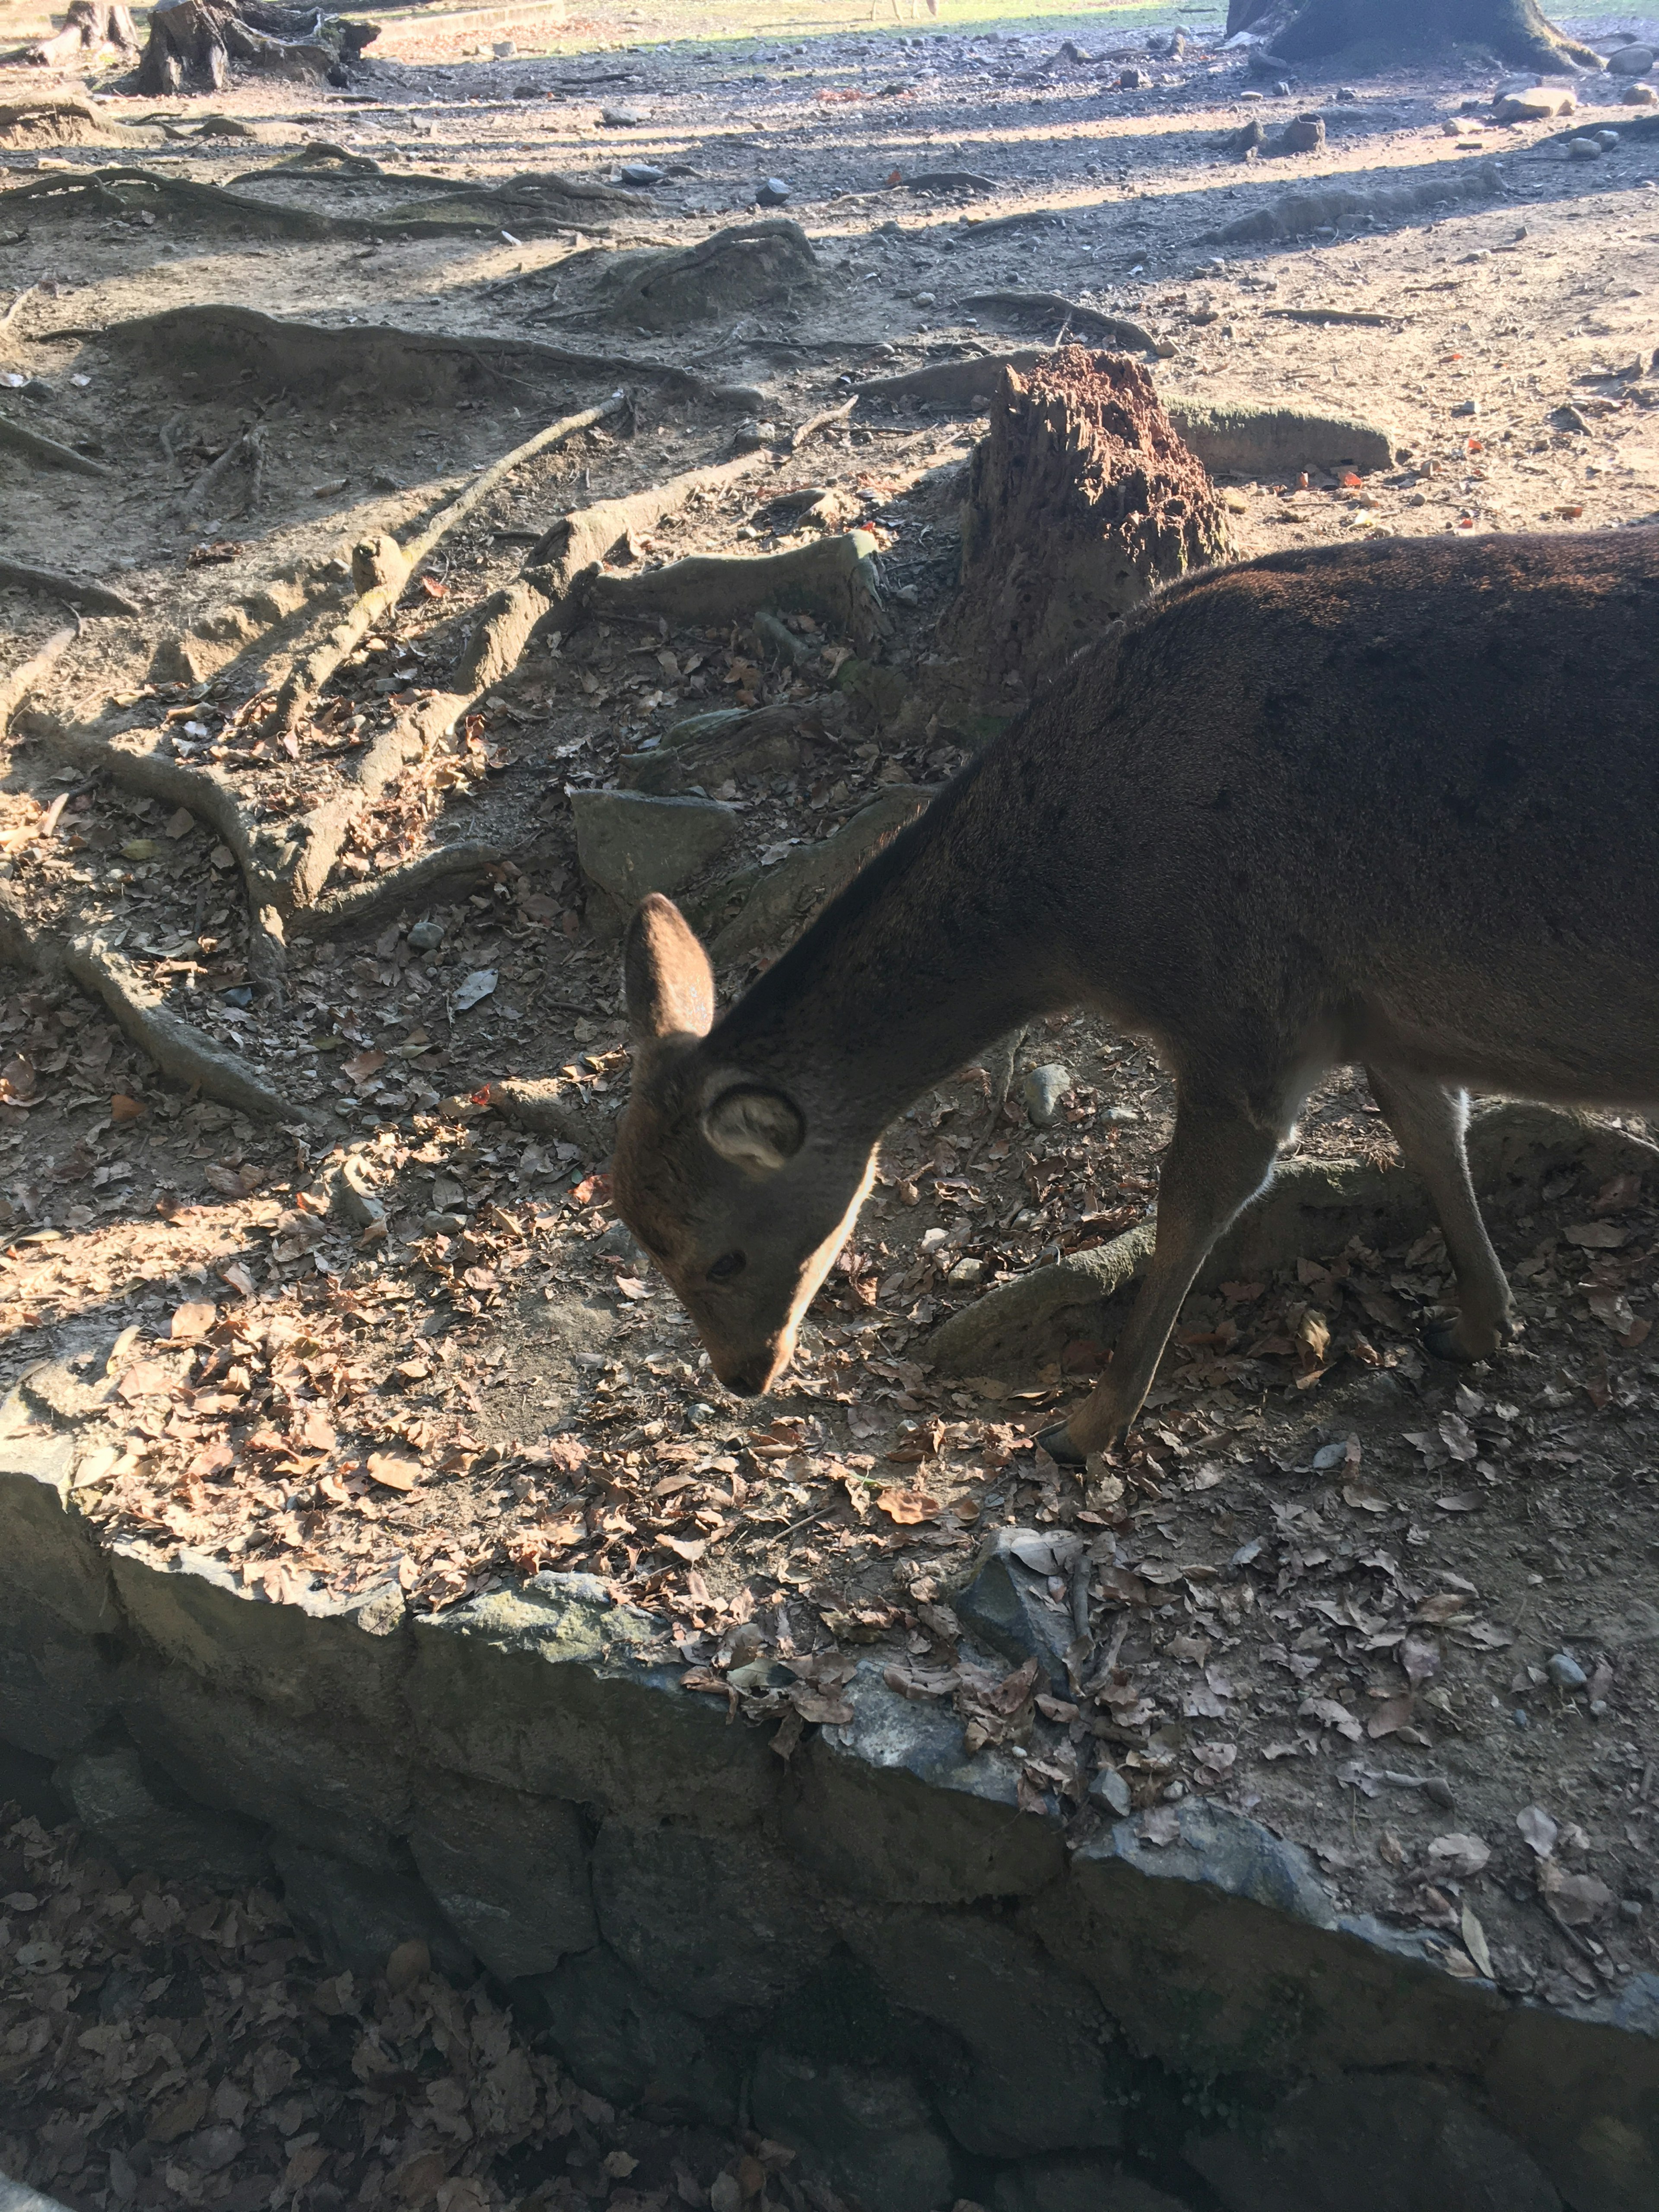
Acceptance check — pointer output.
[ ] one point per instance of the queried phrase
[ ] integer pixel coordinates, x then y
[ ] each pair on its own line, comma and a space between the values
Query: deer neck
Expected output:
927, 958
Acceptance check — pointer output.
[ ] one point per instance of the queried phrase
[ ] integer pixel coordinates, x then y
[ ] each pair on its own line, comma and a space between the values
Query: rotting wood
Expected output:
309, 674
1087, 322
75, 591
19, 440
1080, 502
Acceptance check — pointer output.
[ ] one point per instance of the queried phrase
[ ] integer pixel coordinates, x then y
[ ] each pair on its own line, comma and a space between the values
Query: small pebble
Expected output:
1564, 1671
1174, 1793
1607, 140
772, 193
1043, 1091
426, 936
1584, 150
239, 994
1519, 1717
1467, 407
1133, 80
642, 173
443, 1225
967, 1271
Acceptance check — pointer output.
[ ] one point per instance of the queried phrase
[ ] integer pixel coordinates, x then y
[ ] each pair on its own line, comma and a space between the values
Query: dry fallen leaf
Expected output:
909, 1507
1538, 1830
123, 1109
1474, 1942
1458, 1856
394, 1470
1577, 1898
362, 1065
192, 1321
1390, 1714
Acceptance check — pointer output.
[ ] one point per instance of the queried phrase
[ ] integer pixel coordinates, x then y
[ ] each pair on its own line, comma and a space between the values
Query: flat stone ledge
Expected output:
874, 1949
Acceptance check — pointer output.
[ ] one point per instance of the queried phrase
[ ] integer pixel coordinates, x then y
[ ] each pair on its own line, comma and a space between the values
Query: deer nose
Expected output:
749, 1380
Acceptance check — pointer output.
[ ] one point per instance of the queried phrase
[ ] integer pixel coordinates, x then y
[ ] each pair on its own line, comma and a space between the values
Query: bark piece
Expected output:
1081, 501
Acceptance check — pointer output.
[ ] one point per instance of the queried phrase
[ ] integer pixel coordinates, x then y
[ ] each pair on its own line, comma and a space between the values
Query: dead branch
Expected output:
94, 598
48, 450
246, 453
1086, 322
814, 424
366, 902
15, 688
307, 676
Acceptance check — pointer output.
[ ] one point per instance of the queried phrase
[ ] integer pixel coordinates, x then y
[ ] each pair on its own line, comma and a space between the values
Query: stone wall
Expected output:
869, 1951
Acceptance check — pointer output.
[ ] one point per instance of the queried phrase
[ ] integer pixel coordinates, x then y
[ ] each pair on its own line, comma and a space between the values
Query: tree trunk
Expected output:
1081, 500
89, 28
1514, 30
193, 42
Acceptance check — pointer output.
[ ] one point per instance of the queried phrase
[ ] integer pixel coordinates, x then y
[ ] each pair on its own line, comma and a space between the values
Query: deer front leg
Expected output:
1219, 1158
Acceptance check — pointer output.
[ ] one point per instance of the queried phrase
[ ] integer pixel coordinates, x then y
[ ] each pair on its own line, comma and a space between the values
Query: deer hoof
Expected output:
1443, 1339
1057, 1442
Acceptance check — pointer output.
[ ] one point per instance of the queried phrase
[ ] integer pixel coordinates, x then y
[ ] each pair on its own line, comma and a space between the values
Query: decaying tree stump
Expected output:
1081, 500
88, 26
193, 43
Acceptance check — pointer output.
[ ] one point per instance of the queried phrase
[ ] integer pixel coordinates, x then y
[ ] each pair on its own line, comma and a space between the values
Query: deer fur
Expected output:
1395, 805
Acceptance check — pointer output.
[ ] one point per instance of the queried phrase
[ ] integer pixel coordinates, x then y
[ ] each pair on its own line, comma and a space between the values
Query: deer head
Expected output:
719, 1171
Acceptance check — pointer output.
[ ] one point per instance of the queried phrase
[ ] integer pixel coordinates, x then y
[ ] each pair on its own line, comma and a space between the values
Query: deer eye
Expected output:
728, 1264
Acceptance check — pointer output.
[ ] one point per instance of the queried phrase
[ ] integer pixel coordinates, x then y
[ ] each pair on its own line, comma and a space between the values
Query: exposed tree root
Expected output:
745, 266
73, 590
1301, 213
309, 674
832, 578
177, 1050
548, 1107
15, 688
14, 436
1044, 306
388, 893
419, 366
970, 385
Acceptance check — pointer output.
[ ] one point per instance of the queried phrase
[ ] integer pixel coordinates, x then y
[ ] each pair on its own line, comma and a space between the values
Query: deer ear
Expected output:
758, 1129
669, 984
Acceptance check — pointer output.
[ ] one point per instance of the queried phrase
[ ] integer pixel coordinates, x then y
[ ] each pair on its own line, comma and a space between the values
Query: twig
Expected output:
1333, 315
98, 598
15, 688
308, 676
814, 424
40, 448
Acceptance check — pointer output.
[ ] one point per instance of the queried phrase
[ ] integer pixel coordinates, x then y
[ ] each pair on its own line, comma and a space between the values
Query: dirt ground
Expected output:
1337, 1570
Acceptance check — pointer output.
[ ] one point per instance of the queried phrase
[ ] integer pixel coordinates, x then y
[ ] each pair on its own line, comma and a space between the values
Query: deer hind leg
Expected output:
1429, 1122
1218, 1159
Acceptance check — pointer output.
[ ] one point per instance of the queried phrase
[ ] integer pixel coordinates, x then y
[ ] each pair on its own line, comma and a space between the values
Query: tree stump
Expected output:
1082, 499
88, 26
193, 43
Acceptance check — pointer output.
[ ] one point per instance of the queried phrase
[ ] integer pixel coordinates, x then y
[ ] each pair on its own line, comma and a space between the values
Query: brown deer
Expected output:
1395, 805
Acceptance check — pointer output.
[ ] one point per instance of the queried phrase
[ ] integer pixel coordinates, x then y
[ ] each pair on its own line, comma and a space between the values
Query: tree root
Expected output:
15, 688
248, 452
13, 435
967, 385
309, 674
95, 599
1044, 307
1310, 1207
832, 578
368, 902
547, 1107
177, 1050
1301, 213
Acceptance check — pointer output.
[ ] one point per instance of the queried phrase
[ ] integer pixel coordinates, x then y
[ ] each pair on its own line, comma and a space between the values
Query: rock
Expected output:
1535, 103
1043, 1091
966, 1272
624, 118
1564, 1671
714, 1924
1006, 1604
1631, 61
642, 173
351, 1198
865, 1816
783, 898
426, 936
622, 2042
1639, 95
538, 1689
1607, 140
1133, 80
618, 1242
867, 2130
1040, 2076
443, 1225
1416, 2142
1467, 407
360, 1919
176, 660
772, 193
1302, 134
1239, 439
1110, 1790
146, 1825
508, 1871
1078, 2185
628, 844
503, 49
1583, 149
